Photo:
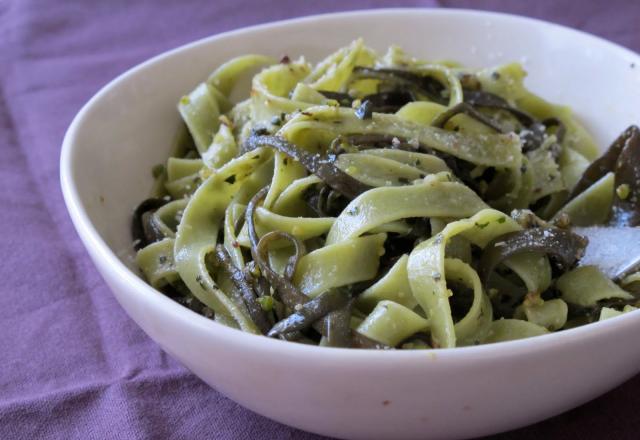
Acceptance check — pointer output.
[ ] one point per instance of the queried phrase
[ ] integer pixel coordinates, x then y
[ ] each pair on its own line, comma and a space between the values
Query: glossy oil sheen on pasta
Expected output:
383, 202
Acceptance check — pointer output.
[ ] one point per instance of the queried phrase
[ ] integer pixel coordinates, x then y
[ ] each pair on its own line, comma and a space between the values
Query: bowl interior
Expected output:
129, 125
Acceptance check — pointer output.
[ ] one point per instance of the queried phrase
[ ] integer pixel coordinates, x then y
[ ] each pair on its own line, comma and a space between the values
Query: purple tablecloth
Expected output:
72, 365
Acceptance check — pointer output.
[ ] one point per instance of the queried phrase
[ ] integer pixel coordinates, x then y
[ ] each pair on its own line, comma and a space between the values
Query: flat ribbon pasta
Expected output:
383, 201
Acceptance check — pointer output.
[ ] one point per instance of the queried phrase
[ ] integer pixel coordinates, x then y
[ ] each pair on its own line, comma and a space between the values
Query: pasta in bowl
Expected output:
382, 201
126, 128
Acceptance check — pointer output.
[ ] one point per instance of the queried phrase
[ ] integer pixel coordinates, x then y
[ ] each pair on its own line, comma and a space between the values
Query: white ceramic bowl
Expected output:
127, 127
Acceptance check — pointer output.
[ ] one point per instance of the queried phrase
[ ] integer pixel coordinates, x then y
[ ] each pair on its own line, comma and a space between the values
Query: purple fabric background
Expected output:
72, 365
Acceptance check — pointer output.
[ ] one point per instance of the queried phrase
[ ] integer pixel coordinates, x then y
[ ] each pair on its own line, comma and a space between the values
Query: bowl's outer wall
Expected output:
127, 128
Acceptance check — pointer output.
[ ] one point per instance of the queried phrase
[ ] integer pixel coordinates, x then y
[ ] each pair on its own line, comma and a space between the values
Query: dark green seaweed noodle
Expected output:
467, 109
279, 309
478, 98
143, 228
605, 163
534, 131
590, 314
623, 159
565, 247
323, 167
243, 286
382, 102
626, 210
324, 201
284, 288
306, 314
339, 326
407, 81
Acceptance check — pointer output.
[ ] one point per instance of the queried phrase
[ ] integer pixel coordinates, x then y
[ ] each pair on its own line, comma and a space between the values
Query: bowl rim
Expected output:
93, 241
